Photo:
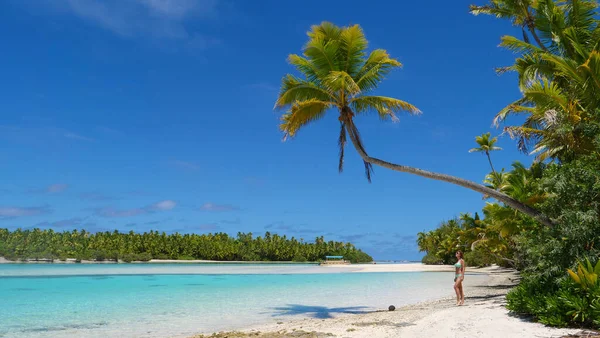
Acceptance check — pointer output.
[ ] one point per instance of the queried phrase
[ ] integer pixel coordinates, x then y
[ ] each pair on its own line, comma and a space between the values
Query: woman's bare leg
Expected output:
461, 292
457, 290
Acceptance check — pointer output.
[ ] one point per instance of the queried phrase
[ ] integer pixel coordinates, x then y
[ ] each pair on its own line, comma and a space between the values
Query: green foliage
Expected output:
299, 258
128, 247
574, 201
99, 255
141, 257
574, 302
431, 259
558, 75
533, 298
479, 258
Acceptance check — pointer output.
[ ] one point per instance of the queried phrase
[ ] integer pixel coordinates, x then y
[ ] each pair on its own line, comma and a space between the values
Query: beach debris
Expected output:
276, 334
392, 308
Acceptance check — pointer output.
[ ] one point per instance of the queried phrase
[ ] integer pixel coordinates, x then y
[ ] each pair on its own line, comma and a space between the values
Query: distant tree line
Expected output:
82, 245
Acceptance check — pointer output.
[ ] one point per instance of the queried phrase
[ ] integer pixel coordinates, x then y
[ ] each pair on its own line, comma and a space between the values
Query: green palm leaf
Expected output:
374, 70
386, 107
301, 113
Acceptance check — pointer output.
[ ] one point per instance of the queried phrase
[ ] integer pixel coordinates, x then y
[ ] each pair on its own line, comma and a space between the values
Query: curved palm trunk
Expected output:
511, 202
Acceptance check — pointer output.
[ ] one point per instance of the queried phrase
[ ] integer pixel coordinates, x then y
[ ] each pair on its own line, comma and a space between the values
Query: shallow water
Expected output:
175, 300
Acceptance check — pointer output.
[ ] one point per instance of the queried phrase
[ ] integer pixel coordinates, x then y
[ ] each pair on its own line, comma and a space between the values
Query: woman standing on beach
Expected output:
459, 276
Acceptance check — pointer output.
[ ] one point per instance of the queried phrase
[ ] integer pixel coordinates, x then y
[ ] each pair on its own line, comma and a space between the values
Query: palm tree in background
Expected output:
338, 74
486, 144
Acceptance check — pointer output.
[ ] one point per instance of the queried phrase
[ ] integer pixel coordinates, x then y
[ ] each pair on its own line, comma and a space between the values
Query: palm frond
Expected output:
322, 47
492, 9
591, 68
515, 108
300, 114
352, 49
294, 89
518, 46
306, 67
386, 107
341, 82
374, 70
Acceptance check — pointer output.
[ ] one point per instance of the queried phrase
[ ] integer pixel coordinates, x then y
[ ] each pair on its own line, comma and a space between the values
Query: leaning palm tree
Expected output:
486, 144
339, 75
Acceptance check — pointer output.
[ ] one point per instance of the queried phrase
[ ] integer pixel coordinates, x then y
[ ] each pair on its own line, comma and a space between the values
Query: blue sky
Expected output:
157, 114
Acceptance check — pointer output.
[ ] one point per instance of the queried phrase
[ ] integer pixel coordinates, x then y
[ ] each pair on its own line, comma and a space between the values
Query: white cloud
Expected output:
65, 223
177, 9
94, 196
113, 212
55, 188
78, 137
185, 165
7, 212
218, 207
51, 189
163, 205
39, 134
131, 18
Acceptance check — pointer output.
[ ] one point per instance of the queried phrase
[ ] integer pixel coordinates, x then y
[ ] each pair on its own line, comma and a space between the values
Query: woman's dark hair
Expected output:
460, 253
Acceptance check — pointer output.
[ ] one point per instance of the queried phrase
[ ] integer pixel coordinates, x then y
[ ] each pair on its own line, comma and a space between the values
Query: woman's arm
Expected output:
464, 266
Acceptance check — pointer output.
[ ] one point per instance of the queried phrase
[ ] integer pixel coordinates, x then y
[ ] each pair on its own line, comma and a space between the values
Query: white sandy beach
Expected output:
483, 315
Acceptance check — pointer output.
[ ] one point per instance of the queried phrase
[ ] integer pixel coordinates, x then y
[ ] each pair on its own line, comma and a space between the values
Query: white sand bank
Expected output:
483, 315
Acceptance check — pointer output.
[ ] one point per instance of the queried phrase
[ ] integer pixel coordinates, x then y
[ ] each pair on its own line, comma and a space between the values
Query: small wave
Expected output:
24, 289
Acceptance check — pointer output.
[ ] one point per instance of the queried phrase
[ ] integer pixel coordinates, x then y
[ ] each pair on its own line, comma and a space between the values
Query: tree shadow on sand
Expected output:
319, 312
497, 287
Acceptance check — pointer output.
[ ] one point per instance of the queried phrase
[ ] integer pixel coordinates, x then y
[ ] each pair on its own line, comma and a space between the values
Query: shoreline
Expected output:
111, 268
483, 315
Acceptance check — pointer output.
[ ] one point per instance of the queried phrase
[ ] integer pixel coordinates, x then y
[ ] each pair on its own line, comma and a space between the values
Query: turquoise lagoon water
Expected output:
174, 300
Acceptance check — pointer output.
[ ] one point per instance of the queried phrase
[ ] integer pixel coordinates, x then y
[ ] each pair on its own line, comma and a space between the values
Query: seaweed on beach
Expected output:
277, 334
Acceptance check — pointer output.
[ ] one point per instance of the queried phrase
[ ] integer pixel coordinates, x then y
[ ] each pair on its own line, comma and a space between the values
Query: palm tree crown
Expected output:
486, 144
337, 73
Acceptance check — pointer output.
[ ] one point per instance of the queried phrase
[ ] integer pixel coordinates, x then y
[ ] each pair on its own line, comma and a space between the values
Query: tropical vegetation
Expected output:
132, 246
558, 69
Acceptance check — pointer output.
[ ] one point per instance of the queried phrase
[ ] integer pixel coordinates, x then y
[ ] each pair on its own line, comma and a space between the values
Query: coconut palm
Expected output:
486, 144
559, 83
337, 74
520, 12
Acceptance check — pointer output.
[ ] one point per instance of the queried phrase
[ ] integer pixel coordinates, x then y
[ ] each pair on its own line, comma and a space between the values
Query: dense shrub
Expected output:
99, 255
479, 258
431, 259
574, 302
299, 258
144, 257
